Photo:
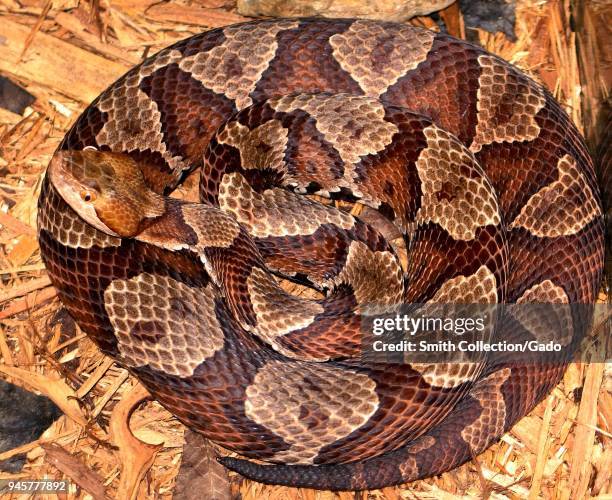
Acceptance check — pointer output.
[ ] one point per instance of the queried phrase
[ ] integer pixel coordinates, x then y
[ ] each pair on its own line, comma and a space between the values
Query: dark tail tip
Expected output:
323, 477
338, 477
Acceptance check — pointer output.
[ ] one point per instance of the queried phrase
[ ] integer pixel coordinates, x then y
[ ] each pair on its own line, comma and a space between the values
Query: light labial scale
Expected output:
163, 323
70, 230
562, 208
458, 203
358, 51
309, 406
234, 67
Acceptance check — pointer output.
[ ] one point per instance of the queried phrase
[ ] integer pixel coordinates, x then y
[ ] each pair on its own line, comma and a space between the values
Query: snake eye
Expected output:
88, 196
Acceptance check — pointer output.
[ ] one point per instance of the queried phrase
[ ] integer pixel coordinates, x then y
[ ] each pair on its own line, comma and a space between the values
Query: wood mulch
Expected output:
65, 52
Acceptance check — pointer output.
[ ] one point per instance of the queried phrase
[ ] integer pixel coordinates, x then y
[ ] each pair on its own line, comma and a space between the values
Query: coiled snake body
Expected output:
474, 165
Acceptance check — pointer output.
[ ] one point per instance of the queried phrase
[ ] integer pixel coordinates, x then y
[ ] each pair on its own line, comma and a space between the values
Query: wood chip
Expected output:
14, 226
135, 456
54, 63
192, 14
76, 470
30, 301
25, 288
23, 250
542, 451
74, 25
580, 468
9, 117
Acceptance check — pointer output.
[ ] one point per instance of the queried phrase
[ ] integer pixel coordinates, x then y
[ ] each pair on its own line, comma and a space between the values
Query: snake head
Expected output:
105, 189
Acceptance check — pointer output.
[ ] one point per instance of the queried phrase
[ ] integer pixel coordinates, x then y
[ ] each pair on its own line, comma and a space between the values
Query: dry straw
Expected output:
65, 53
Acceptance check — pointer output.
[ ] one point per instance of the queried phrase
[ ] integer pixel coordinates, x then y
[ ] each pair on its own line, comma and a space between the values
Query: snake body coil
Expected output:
471, 164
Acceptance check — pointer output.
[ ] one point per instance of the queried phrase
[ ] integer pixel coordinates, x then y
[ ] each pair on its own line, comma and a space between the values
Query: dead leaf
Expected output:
23, 250
200, 471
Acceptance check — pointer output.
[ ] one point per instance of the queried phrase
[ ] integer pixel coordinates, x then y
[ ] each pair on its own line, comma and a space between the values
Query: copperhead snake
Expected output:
472, 164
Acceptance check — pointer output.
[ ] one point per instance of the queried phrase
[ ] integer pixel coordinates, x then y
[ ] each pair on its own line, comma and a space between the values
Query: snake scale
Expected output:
473, 165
